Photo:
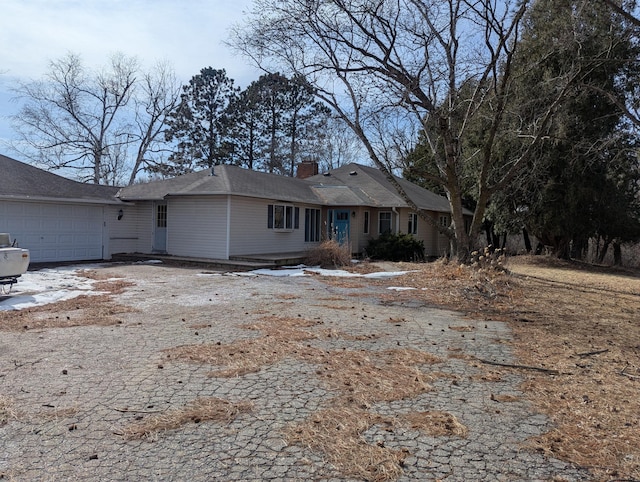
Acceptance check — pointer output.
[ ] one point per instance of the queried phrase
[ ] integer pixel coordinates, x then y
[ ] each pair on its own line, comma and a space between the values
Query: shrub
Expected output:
488, 258
396, 247
329, 254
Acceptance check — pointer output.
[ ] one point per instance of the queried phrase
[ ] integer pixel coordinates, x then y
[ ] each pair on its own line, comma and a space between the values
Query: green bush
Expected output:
396, 247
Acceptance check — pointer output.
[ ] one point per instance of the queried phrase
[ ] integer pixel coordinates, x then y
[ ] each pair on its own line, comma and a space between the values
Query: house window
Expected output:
161, 217
384, 222
413, 224
281, 217
365, 228
311, 225
444, 221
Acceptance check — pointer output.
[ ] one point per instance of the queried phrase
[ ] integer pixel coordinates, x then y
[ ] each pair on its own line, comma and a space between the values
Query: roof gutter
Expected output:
60, 200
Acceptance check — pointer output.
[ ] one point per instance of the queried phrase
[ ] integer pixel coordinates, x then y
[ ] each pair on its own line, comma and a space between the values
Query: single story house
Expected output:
222, 213
228, 212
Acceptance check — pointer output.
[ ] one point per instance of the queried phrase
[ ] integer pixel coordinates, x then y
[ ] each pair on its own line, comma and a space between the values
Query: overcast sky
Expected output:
187, 33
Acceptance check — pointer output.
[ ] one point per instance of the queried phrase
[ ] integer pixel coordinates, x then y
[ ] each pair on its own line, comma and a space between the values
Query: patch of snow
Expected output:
35, 288
302, 270
400, 288
149, 261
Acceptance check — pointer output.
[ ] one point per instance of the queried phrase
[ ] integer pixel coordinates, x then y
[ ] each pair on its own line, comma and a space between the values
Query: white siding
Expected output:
55, 231
250, 234
197, 227
130, 234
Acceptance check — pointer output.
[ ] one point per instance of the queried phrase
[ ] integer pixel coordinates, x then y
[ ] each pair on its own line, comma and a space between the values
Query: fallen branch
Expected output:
591, 353
522, 367
634, 377
132, 410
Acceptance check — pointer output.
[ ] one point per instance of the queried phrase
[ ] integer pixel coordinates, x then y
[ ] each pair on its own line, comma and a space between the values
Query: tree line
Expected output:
119, 124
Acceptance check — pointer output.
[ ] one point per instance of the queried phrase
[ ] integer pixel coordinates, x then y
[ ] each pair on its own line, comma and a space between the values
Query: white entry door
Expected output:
160, 228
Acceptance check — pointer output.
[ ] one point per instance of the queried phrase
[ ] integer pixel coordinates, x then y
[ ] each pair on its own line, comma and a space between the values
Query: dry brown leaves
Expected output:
197, 411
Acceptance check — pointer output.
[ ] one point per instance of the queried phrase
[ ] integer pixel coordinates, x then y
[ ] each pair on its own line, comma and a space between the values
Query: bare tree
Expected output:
158, 95
415, 65
93, 121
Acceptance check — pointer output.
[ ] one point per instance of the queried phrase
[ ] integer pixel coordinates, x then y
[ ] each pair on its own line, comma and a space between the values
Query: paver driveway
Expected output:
74, 392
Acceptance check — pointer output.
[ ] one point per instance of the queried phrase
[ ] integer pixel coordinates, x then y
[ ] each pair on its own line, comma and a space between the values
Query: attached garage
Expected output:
56, 218
55, 231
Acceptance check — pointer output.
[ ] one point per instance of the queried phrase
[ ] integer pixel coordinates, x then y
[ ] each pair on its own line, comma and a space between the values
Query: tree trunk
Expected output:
603, 251
617, 253
527, 241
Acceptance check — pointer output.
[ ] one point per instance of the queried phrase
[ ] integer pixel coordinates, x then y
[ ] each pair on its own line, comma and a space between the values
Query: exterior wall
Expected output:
123, 234
435, 244
249, 232
197, 227
133, 232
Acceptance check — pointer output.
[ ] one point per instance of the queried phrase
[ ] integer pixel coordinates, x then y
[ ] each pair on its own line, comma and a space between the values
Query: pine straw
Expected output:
561, 314
437, 424
337, 433
83, 310
359, 378
7, 410
366, 377
196, 411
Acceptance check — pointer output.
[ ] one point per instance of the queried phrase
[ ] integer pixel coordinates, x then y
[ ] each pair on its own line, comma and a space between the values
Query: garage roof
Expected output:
23, 181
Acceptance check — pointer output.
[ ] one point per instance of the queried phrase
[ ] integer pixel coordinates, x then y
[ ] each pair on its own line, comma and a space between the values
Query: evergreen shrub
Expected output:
396, 247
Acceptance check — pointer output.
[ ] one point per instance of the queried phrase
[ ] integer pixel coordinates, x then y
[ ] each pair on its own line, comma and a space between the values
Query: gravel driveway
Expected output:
73, 394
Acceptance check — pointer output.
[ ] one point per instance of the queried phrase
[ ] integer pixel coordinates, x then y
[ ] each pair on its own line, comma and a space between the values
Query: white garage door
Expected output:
54, 231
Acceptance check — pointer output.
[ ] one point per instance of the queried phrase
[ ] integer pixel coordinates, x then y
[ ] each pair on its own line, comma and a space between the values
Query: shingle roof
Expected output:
350, 185
374, 189
224, 179
23, 181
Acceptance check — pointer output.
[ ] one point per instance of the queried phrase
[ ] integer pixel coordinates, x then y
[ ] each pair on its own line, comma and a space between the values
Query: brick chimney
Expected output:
307, 169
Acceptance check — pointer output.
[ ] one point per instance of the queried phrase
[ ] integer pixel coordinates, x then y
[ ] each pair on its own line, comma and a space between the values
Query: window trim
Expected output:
380, 213
312, 225
412, 227
366, 222
289, 215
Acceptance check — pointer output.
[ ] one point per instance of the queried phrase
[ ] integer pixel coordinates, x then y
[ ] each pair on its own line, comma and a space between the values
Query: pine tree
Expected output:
199, 124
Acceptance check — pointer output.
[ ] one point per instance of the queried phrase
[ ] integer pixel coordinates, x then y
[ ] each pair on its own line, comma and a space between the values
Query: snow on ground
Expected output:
45, 286
305, 270
49, 285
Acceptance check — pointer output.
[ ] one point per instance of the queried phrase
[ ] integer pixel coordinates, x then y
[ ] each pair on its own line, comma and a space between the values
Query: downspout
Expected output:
228, 240
395, 211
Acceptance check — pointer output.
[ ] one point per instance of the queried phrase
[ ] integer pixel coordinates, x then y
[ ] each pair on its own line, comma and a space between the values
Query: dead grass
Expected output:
577, 319
197, 411
329, 254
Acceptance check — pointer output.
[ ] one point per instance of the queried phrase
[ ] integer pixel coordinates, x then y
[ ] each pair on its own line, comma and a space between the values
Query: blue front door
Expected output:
340, 231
